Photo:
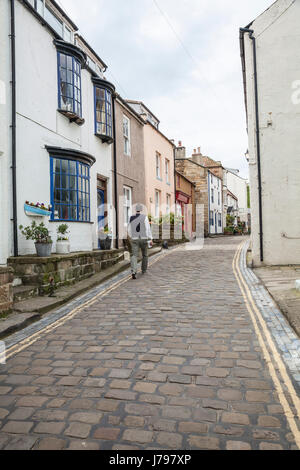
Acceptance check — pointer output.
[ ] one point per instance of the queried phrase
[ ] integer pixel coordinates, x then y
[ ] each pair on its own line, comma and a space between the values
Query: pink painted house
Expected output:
159, 164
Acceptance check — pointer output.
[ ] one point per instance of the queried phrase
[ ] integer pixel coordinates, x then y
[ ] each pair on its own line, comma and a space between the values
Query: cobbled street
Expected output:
169, 361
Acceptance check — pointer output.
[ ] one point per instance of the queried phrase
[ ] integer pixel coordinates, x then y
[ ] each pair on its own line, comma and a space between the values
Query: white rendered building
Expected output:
59, 148
271, 70
215, 204
238, 186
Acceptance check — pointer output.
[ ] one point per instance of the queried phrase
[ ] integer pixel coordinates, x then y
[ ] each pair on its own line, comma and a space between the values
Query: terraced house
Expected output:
56, 128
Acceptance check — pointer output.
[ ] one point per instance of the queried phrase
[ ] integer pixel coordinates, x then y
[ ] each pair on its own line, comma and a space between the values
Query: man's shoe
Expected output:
133, 276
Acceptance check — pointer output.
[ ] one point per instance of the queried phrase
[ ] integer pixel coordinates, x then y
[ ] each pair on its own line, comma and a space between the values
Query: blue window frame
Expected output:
70, 190
103, 112
69, 84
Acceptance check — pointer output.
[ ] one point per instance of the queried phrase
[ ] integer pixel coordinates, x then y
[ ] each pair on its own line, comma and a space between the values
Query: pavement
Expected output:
185, 357
280, 283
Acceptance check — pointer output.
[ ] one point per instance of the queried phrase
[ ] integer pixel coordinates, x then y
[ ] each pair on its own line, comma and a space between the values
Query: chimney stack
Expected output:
197, 156
180, 151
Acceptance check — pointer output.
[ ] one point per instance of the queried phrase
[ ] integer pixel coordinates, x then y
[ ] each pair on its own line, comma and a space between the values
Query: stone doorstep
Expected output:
24, 292
28, 311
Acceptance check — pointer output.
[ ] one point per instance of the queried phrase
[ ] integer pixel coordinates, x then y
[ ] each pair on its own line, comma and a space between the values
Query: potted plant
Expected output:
62, 242
40, 234
105, 238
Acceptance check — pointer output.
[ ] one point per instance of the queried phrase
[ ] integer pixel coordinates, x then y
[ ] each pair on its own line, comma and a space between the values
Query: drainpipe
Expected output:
251, 32
13, 127
174, 153
209, 179
115, 172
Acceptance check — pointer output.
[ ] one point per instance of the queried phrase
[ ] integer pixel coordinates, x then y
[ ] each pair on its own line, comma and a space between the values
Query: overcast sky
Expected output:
182, 59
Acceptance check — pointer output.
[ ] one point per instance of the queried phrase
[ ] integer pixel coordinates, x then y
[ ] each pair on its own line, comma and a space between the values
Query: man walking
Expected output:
139, 233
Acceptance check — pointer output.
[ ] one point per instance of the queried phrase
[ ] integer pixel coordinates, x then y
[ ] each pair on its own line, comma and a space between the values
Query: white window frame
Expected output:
157, 203
167, 170
66, 28
127, 205
126, 134
158, 165
168, 200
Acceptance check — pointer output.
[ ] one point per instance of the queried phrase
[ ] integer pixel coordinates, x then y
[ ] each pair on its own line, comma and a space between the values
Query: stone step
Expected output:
24, 292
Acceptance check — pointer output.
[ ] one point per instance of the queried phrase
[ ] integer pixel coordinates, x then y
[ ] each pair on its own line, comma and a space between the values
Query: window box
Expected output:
32, 211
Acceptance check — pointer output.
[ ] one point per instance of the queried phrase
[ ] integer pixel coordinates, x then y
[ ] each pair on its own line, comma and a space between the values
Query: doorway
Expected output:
101, 206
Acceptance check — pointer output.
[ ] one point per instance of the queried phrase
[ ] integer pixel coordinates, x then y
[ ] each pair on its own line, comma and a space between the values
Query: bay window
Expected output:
70, 59
69, 184
103, 96
69, 76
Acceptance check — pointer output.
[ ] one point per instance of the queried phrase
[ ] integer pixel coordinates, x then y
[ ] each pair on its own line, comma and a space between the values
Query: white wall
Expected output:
216, 207
5, 134
238, 186
278, 63
39, 124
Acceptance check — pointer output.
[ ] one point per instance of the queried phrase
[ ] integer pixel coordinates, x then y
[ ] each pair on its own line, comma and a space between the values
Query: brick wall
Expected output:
6, 296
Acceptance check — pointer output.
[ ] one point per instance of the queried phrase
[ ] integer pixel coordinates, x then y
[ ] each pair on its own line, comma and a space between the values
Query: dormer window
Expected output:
52, 19
70, 60
103, 95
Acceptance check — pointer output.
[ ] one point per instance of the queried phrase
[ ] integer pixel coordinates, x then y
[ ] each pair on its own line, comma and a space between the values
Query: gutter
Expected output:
115, 172
243, 31
13, 127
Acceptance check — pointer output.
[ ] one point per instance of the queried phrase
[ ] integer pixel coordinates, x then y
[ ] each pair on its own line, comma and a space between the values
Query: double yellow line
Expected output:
269, 349
53, 326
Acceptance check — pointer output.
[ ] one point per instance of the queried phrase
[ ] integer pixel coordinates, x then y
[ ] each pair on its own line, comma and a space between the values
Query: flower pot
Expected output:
62, 247
43, 250
105, 243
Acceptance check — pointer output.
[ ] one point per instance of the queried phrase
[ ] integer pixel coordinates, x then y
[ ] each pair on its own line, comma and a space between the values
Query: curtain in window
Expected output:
69, 70
103, 112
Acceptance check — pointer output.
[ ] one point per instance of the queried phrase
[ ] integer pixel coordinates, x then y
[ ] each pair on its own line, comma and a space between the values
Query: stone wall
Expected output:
6, 295
198, 175
64, 270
